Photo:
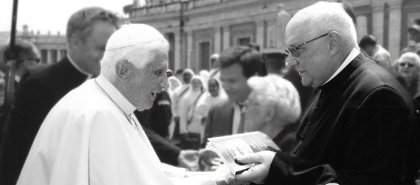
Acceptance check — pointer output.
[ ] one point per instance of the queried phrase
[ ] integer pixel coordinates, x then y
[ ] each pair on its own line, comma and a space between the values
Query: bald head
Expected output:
321, 18
319, 38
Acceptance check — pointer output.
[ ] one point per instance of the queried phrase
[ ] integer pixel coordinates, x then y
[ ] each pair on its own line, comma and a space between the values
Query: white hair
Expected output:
134, 43
273, 90
410, 56
323, 17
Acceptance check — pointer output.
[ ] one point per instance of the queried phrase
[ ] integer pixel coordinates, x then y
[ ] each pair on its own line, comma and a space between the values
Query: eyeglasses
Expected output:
294, 50
402, 64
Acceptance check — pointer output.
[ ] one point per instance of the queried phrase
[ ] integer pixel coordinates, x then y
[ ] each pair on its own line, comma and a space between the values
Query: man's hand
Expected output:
223, 176
188, 159
209, 160
259, 171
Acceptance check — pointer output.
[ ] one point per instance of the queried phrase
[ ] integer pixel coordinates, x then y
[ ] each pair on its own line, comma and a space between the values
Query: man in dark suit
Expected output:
359, 129
87, 33
237, 64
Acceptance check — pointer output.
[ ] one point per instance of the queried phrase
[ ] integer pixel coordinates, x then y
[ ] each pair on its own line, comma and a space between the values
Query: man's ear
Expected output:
335, 42
74, 41
270, 113
123, 70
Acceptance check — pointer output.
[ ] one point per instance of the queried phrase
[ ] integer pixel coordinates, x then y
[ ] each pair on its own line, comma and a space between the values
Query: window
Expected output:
204, 55
244, 41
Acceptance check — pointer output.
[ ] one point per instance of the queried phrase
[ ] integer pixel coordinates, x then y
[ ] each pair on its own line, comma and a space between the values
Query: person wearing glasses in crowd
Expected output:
27, 55
408, 66
356, 129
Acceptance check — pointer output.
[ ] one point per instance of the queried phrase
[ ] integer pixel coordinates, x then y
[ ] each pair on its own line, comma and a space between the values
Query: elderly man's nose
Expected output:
165, 84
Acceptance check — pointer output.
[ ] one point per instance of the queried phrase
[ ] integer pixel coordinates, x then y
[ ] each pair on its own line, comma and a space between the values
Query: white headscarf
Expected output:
187, 104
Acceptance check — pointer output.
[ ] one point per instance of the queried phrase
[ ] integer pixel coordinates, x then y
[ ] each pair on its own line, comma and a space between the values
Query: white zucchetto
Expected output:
133, 34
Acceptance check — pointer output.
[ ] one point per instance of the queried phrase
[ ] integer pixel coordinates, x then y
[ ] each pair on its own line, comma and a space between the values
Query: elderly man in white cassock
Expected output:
91, 135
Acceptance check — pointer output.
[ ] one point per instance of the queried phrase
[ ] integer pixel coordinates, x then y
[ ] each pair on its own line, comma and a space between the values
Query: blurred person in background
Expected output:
187, 74
275, 62
214, 66
408, 67
190, 126
375, 51
273, 107
205, 76
174, 84
214, 95
27, 55
414, 38
178, 74
237, 65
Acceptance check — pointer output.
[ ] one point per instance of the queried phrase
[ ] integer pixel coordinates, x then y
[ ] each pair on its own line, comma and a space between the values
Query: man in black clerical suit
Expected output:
87, 33
359, 128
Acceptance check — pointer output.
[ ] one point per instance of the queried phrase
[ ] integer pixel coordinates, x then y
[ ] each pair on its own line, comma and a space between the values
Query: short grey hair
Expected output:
273, 90
81, 22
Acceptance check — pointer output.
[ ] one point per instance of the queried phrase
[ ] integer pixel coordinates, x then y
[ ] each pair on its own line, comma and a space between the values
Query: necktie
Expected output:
241, 127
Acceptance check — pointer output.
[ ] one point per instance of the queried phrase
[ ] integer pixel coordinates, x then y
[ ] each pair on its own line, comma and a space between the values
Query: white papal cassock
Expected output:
91, 137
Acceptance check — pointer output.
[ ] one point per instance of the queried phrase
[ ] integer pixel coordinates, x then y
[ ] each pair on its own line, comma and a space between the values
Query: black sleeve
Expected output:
376, 148
31, 107
166, 151
288, 170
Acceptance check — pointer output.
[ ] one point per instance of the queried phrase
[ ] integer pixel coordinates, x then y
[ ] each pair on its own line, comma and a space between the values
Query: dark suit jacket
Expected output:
35, 97
358, 126
219, 120
166, 151
161, 114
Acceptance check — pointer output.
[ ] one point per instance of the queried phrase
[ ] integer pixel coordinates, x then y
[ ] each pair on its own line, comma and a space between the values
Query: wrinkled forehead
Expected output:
157, 59
298, 30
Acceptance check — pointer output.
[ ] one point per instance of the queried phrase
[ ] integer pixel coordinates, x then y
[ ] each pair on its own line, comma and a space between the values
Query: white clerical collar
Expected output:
115, 95
77, 67
353, 54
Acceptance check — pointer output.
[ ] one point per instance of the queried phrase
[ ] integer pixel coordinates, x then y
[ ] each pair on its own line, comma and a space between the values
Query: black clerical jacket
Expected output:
356, 131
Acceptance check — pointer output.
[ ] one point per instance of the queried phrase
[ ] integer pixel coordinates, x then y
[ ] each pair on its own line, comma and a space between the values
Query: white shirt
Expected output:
90, 138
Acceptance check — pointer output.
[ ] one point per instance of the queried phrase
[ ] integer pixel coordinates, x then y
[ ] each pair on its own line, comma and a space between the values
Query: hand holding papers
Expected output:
259, 170
188, 159
226, 149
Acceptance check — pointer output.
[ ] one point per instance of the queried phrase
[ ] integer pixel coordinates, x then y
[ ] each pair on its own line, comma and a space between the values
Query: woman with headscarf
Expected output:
190, 128
214, 95
174, 85
178, 94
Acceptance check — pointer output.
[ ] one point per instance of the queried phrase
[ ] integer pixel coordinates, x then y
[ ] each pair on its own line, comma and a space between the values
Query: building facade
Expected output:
51, 47
198, 28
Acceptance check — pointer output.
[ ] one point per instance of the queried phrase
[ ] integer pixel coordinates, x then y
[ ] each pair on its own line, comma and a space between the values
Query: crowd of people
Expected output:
111, 112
